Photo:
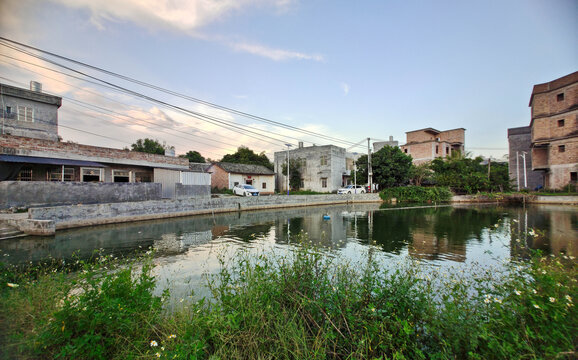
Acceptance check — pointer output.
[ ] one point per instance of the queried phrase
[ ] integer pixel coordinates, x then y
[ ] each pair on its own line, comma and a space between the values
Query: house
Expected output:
226, 175
427, 144
38, 169
322, 167
520, 159
554, 127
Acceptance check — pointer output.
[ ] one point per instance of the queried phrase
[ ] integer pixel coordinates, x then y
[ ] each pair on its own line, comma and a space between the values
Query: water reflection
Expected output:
435, 234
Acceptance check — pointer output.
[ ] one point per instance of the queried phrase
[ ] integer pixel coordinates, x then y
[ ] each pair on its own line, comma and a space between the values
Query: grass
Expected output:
417, 194
306, 305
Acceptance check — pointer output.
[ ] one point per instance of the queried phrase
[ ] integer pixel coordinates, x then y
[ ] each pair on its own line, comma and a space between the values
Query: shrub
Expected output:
417, 194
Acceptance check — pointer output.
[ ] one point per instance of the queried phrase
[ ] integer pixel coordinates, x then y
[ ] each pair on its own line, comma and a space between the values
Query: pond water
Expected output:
443, 236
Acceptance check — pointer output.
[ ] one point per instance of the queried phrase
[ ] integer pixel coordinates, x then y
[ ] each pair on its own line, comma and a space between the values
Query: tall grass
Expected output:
306, 305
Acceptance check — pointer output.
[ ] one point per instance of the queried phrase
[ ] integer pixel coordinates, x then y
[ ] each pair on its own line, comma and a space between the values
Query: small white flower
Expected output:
487, 301
499, 301
158, 355
518, 292
534, 291
536, 306
569, 298
154, 343
12, 285
552, 299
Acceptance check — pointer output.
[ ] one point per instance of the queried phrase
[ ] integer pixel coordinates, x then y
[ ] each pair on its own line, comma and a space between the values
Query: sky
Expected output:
317, 71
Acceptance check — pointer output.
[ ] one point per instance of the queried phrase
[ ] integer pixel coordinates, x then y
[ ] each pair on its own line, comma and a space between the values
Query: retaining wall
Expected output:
41, 193
94, 214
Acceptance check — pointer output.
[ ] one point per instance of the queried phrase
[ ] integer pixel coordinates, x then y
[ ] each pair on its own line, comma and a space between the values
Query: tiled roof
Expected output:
199, 167
245, 168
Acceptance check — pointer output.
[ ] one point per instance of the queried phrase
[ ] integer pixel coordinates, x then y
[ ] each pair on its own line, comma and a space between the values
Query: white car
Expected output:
352, 189
245, 190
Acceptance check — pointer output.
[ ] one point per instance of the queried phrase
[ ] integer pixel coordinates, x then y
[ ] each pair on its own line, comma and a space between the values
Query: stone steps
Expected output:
9, 232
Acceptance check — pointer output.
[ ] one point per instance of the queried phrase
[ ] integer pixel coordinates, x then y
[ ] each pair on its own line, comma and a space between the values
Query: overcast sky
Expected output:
345, 69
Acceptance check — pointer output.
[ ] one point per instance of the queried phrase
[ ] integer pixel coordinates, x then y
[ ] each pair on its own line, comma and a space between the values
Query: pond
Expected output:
440, 236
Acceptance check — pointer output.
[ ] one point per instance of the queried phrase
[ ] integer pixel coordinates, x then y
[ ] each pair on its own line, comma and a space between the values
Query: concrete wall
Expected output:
41, 193
86, 214
189, 191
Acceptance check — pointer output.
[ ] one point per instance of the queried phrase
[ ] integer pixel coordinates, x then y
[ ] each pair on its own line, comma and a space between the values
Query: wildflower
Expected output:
569, 298
536, 306
172, 336
552, 299
544, 272
499, 301
518, 292
158, 355
154, 343
487, 301
12, 285
534, 291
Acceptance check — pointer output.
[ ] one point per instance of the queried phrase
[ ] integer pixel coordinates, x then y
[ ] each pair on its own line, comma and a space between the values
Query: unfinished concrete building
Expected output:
427, 144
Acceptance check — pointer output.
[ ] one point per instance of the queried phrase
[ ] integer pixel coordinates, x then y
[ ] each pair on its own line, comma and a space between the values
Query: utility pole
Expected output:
369, 170
518, 170
288, 146
525, 179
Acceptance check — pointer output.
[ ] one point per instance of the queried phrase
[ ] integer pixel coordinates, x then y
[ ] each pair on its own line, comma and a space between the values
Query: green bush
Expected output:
106, 312
417, 194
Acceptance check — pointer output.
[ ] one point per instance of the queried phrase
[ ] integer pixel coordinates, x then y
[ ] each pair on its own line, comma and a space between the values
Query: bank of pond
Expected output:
449, 282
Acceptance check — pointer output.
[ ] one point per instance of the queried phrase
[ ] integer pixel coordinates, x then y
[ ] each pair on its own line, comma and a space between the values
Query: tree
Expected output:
421, 173
149, 146
194, 157
295, 166
461, 174
244, 155
391, 167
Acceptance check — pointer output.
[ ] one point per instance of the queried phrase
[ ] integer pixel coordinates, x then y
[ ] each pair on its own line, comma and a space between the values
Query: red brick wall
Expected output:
23, 144
219, 177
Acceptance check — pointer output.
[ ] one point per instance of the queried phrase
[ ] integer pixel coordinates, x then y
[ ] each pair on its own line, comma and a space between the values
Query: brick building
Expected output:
520, 150
226, 175
427, 144
554, 126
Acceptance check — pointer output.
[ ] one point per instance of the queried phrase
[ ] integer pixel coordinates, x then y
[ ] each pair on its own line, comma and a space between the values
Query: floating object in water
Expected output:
326, 217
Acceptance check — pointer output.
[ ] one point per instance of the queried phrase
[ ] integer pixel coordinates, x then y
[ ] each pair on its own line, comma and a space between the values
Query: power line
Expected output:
142, 83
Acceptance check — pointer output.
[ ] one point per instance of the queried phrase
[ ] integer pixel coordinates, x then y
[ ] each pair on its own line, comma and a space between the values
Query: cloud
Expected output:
274, 54
345, 88
188, 16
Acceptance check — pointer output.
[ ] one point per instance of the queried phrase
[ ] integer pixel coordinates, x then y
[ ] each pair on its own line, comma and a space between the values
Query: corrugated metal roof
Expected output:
48, 161
245, 169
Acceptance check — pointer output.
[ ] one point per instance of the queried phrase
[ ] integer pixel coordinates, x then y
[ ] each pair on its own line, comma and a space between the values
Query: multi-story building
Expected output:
322, 167
427, 144
29, 113
554, 126
520, 159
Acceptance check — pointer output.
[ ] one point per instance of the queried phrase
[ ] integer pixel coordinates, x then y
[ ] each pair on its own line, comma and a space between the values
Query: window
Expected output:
561, 123
61, 174
90, 174
235, 183
437, 149
323, 182
264, 186
560, 97
8, 110
301, 184
447, 150
574, 177
405, 150
25, 174
120, 176
142, 176
25, 113
323, 160
561, 148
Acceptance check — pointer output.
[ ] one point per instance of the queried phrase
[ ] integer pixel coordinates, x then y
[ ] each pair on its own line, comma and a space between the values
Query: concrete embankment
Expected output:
516, 199
69, 216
